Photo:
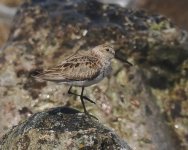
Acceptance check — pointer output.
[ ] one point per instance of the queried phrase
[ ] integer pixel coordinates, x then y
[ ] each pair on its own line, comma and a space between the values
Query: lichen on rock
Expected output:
61, 128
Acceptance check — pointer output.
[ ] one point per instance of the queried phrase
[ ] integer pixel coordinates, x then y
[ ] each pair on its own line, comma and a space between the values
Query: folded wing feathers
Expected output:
76, 68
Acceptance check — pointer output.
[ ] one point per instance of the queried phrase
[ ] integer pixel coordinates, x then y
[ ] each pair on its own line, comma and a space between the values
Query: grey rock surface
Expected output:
61, 128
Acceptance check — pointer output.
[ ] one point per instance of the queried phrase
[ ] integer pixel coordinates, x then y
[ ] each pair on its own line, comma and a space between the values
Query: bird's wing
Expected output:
75, 68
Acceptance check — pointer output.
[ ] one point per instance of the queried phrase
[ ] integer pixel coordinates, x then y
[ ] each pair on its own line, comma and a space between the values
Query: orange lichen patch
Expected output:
4, 32
11, 3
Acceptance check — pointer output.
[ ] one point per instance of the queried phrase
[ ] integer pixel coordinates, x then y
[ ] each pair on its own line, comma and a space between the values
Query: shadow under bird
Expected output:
82, 69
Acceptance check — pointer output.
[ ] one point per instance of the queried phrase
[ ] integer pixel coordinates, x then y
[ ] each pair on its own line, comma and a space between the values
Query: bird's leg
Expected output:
82, 100
70, 92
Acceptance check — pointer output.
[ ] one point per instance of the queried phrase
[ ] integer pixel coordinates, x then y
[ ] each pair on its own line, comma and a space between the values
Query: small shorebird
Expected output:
82, 69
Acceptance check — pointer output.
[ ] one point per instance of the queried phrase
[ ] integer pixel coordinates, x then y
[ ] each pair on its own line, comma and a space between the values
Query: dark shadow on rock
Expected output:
65, 110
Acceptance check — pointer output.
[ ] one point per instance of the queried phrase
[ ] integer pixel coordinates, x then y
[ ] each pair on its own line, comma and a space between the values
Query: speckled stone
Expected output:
61, 128
46, 31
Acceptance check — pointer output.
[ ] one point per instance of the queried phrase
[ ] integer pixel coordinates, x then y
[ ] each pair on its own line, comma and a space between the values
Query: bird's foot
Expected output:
84, 97
88, 99
89, 115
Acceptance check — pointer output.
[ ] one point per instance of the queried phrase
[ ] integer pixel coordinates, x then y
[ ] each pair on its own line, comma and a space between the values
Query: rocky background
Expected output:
145, 104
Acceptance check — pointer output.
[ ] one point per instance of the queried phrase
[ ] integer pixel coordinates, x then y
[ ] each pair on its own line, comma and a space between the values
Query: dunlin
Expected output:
82, 69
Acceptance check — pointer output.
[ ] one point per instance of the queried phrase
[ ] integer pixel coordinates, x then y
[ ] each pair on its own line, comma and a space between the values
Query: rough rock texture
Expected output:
146, 104
61, 128
11, 2
176, 10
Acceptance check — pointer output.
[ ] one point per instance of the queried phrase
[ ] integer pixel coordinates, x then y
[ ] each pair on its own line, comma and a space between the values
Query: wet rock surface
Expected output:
44, 32
61, 128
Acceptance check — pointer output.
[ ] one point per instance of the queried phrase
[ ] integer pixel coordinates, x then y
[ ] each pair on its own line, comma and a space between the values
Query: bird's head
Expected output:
105, 50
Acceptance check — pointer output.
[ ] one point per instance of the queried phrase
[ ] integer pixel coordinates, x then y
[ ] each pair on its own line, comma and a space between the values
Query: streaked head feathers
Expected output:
106, 50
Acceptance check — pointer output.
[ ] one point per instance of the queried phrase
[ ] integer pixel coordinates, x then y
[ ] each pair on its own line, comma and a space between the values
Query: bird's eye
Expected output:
107, 50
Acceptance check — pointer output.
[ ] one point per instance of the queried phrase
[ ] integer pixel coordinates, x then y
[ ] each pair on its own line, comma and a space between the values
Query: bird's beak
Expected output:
120, 56
128, 63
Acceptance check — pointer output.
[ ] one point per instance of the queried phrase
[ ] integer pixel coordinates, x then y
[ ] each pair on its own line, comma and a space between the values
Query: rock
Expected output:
46, 31
177, 10
61, 128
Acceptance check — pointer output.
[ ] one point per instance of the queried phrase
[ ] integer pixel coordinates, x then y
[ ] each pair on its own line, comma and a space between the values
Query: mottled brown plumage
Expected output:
77, 68
82, 69
88, 67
